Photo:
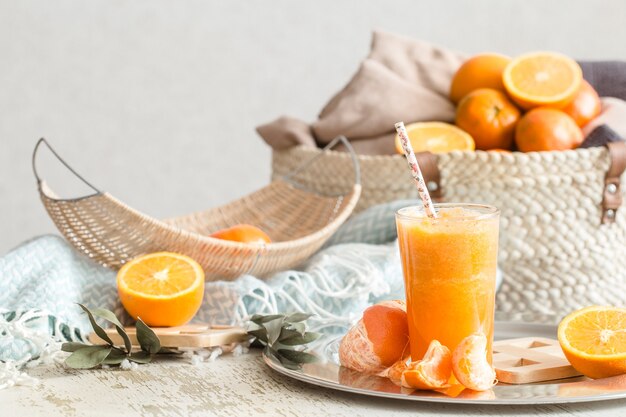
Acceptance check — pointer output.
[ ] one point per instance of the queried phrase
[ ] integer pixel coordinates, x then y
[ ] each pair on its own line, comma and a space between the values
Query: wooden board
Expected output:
530, 359
188, 336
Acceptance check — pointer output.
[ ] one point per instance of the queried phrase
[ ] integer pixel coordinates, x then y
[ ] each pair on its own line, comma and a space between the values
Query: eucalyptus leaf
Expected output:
260, 334
299, 339
289, 364
96, 327
148, 340
88, 357
299, 327
110, 317
140, 357
72, 346
297, 317
274, 328
297, 356
287, 333
259, 319
115, 357
168, 351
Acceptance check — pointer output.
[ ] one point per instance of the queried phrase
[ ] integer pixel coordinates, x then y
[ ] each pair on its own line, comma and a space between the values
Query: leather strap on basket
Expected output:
428, 165
612, 199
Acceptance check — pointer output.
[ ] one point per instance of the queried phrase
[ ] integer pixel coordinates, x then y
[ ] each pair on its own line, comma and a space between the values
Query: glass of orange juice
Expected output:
449, 266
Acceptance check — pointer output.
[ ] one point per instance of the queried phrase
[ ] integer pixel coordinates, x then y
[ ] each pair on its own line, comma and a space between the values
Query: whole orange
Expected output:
546, 129
585, 106
244, 233
489, 117
480, 71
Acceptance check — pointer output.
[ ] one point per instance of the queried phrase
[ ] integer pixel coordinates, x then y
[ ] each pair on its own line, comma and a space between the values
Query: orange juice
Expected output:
449, 266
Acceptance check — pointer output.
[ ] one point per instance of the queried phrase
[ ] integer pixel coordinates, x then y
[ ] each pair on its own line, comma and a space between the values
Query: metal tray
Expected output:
327, 373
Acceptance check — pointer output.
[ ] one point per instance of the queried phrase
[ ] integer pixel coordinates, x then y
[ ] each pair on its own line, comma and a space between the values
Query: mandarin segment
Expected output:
431, 372
470, 365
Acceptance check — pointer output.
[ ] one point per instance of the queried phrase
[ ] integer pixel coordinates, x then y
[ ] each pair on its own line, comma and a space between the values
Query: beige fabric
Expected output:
613, 114
555, 253
402, 79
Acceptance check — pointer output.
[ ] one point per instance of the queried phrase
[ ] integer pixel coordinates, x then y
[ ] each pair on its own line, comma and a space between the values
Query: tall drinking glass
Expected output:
449, 266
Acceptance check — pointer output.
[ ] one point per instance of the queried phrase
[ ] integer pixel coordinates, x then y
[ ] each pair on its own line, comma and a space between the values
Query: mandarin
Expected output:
378, 340
585, 106
480, 71
244, 233
431, 372
546, 129
489, 117
470, 365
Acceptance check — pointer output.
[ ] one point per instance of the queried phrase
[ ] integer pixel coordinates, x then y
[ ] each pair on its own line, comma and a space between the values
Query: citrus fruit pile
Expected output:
535, 102
379, 344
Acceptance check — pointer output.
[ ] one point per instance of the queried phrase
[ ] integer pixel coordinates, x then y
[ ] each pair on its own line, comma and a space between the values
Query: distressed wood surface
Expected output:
230, 386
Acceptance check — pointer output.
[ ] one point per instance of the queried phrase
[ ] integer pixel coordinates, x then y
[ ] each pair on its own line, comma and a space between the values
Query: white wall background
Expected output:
156, 100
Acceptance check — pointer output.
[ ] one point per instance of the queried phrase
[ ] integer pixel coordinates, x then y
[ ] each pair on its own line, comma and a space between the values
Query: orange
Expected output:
436, 137
470, 364
542, 79
480, 71
163, 289
594, 340
585, 105
489, 117
432, 372
378, 340
244, 233
545, 129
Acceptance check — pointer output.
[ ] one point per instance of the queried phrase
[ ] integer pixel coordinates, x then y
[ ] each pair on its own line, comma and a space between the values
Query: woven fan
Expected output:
297, 220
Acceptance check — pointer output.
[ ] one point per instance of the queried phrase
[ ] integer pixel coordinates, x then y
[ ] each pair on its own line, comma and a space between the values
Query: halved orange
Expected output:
594, 340
163, 289
436, 137
542, 79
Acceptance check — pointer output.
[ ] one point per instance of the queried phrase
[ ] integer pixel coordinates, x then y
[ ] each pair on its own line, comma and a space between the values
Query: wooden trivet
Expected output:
187, 336
530, 359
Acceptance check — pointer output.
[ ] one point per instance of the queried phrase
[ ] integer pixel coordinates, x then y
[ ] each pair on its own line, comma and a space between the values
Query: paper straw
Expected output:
416, 172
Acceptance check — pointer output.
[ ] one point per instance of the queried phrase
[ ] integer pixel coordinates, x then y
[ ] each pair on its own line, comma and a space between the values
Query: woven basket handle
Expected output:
612, 197
43, 141
339, 139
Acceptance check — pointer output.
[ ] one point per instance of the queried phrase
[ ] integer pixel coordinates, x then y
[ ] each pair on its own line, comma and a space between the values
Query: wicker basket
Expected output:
297, 219
563, 241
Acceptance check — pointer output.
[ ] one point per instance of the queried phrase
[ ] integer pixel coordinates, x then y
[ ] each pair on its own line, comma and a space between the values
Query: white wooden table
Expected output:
230, 386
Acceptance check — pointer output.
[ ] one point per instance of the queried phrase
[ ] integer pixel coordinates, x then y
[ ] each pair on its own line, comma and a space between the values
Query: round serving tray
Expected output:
327, 373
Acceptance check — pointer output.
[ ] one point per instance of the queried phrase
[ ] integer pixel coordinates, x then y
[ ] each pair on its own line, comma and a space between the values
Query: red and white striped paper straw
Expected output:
416, 172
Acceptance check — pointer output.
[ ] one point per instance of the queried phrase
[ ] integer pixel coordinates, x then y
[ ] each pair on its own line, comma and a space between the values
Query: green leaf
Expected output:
297, 317
299, 327
167, 351
260, 334
115, 357
96, 327
88, 357
140, 357
300, 339
72, 346
260, 319
110, 317
289, 364
274, 328
297, 356
148, 340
